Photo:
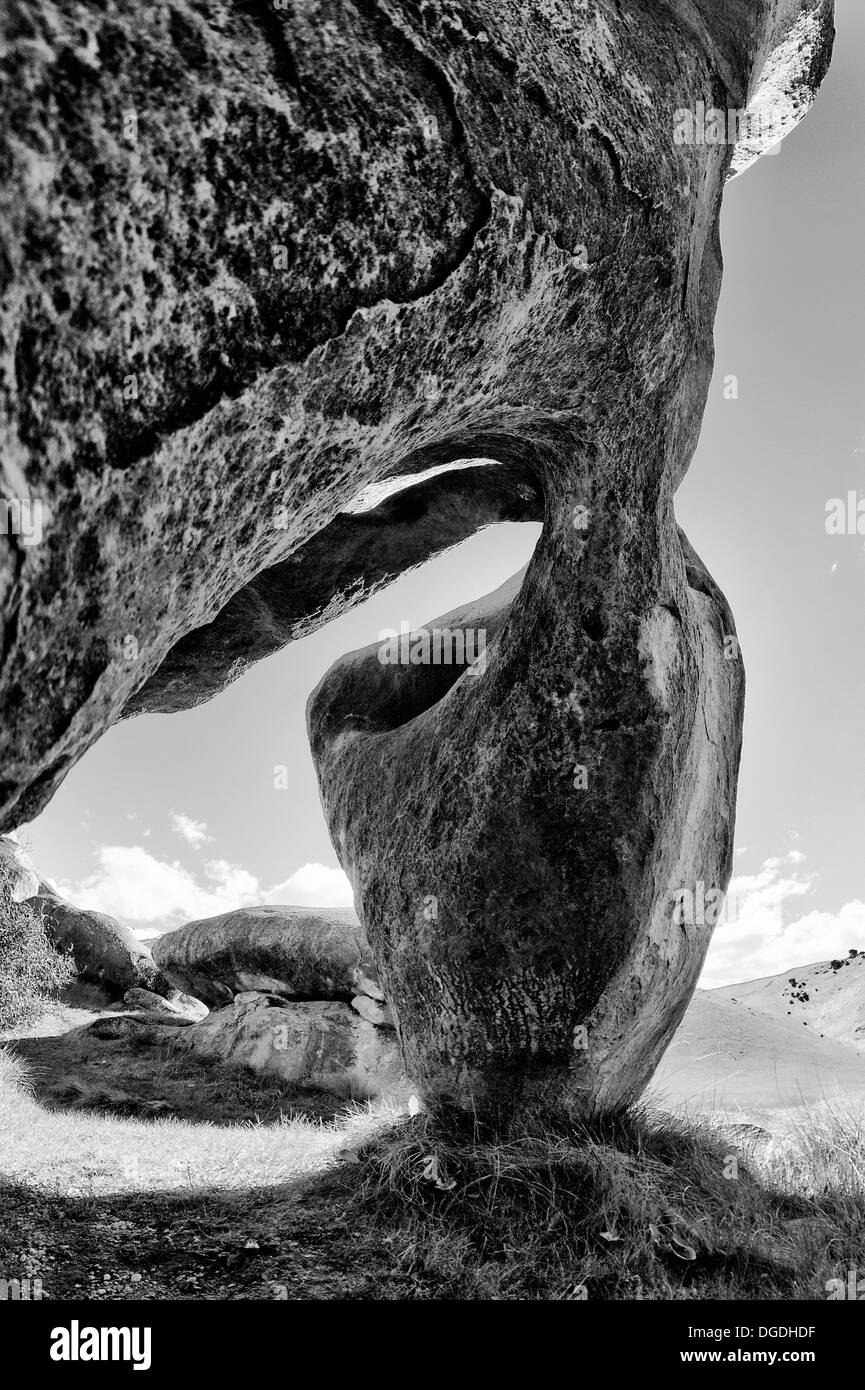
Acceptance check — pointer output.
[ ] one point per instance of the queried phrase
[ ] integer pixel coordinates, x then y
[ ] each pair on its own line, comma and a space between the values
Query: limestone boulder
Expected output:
323, 1044
182, 1005
104, 951
292, 298
149, 1027
521, 841
237, 294
297, 952
373, 1011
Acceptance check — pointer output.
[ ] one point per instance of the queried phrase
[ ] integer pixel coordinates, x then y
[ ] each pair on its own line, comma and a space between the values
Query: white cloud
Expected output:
132, 884
194, 832
152, 896
315, 885
756, 936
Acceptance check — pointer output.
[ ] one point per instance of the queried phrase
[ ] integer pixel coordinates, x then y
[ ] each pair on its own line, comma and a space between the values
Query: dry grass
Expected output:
79, 1148
31, 971
359, 1202
645, 1207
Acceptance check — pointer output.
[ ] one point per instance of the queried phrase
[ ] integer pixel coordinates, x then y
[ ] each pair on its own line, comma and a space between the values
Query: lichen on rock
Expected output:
259, 264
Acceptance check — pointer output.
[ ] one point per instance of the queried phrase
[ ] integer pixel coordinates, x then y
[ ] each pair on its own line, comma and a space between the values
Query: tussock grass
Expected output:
644, 1207
31, 971
827, 1156
390, 1207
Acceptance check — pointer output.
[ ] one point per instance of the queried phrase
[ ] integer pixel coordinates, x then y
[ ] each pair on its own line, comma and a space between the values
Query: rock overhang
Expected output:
211, 412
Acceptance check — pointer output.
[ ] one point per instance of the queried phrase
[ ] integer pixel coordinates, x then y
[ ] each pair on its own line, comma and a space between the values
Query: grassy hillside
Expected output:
728, 1055
827, 998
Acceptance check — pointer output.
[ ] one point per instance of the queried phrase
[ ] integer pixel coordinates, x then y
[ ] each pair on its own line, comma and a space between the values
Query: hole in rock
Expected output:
171, 818
372, 496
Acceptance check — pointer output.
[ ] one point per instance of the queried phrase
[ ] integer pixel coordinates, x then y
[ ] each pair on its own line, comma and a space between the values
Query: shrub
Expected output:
30, 968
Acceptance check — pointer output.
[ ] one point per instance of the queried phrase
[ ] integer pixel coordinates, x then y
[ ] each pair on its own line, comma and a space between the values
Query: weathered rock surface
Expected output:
316, 1043
517, 841
297, 952
238, 291
374, 1012
345, 564
148, 1026
257, 264
17, 871
104, 951
183, 1005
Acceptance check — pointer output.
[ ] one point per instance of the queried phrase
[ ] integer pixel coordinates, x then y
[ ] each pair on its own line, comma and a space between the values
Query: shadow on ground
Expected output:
290, 1242
131, 1169
615, 1214
144, 1075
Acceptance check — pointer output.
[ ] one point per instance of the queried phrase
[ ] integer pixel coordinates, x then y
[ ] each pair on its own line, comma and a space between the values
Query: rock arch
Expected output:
256, 261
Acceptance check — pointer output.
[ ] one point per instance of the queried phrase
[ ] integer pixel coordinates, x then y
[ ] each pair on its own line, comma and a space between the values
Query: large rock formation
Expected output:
313, 1043
104, 951
519, 841
297, 952
261, 266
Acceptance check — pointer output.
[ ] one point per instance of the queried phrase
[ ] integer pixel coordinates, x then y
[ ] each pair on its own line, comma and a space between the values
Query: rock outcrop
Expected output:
519, 841
296, 952
103, 950
317, 1043
293, 298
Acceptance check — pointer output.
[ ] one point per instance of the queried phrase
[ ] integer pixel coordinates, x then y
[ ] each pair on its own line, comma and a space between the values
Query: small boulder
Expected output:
182, 1005
146, 1028
251, 996
368, 984
374, 1012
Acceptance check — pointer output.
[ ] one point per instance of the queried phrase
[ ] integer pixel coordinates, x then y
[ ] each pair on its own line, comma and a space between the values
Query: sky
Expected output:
175, 817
